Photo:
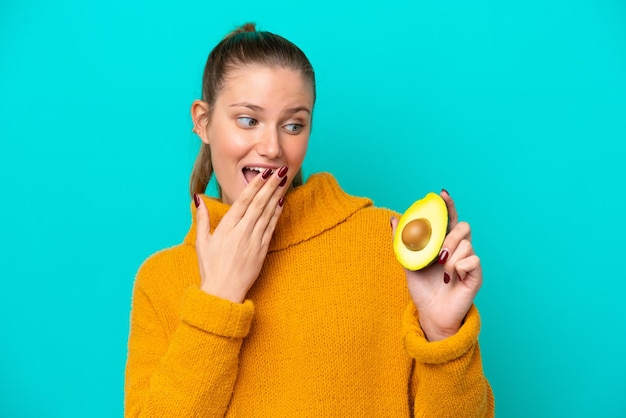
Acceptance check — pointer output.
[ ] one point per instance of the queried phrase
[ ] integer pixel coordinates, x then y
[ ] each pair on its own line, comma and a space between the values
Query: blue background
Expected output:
517, 108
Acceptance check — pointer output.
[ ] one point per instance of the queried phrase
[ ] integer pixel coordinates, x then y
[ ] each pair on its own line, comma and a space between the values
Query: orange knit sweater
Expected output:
327, 330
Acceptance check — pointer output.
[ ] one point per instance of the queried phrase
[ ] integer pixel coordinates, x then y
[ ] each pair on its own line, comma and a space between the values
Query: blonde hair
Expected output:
243, 46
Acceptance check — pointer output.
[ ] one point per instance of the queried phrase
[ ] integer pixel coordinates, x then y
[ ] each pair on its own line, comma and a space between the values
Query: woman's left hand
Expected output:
444, 291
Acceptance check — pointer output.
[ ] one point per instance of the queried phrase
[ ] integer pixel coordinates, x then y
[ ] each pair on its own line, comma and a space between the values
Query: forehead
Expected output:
261, 81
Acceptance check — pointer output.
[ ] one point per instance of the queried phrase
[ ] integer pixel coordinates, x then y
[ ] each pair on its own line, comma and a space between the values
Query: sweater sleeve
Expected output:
191, 369
448, 379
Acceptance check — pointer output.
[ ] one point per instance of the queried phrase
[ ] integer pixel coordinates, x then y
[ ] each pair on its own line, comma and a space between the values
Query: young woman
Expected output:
285, 299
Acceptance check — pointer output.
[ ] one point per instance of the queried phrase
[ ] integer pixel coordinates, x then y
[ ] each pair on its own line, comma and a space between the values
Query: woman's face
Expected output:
261, 119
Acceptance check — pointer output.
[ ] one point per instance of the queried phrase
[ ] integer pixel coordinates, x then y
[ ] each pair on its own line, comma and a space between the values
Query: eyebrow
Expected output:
260, 109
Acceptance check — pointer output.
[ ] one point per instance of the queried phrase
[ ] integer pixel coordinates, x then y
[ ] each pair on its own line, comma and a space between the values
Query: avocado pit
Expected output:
416, 234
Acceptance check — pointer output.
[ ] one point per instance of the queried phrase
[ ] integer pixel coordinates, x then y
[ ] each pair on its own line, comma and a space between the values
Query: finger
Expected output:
265, 203
463, 250
452, 213
246, 197
460, 232
394, 225
203, 224
271, 225
263, 227
470, 268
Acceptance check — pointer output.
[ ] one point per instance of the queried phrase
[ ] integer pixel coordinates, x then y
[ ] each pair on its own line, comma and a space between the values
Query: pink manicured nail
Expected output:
443, 257
196, 200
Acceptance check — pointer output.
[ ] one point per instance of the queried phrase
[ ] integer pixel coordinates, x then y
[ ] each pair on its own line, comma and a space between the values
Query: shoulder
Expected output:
160, 284
164, 257
371, 226
167, 267
376, 215
378, 212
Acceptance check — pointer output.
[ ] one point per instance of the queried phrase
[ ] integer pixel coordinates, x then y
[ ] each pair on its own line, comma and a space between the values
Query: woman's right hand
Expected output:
230, 259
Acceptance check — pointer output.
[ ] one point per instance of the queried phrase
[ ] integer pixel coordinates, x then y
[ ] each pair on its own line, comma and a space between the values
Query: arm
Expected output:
192, 372
447, 379
441, 329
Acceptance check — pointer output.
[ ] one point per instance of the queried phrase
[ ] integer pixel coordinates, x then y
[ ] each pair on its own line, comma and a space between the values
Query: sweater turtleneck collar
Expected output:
309, 210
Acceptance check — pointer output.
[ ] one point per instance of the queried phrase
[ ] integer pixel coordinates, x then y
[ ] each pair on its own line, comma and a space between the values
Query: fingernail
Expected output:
282, 171
283, 182
266, 173
281, 201
196, 200
443, 257
444, 190
446, 278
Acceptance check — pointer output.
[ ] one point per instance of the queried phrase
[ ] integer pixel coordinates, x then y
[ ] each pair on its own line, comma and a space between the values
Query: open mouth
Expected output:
251, 172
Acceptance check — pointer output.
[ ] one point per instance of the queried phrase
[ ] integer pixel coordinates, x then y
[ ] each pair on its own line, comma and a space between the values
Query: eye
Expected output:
247, 122
294, 128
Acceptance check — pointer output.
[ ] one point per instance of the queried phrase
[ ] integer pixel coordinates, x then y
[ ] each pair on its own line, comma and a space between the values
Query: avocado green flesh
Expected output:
433, 209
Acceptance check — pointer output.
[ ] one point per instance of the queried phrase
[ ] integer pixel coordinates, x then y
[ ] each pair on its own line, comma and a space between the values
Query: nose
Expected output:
269, 144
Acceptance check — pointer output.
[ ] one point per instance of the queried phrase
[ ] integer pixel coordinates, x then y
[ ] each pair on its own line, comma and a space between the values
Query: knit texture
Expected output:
327, 330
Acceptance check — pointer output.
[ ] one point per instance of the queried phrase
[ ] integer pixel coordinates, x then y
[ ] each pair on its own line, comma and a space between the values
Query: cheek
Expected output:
297, 151
226, 144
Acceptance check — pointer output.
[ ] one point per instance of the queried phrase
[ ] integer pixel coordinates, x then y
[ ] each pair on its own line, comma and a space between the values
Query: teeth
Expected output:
259, 169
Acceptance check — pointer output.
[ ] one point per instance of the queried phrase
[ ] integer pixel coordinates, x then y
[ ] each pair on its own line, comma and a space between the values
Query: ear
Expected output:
200, 119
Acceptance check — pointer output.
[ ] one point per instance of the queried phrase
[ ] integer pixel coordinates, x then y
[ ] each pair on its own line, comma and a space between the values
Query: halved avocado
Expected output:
421, 232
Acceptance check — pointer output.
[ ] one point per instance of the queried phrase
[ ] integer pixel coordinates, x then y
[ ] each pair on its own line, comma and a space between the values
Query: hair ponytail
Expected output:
202, 171
246, 27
